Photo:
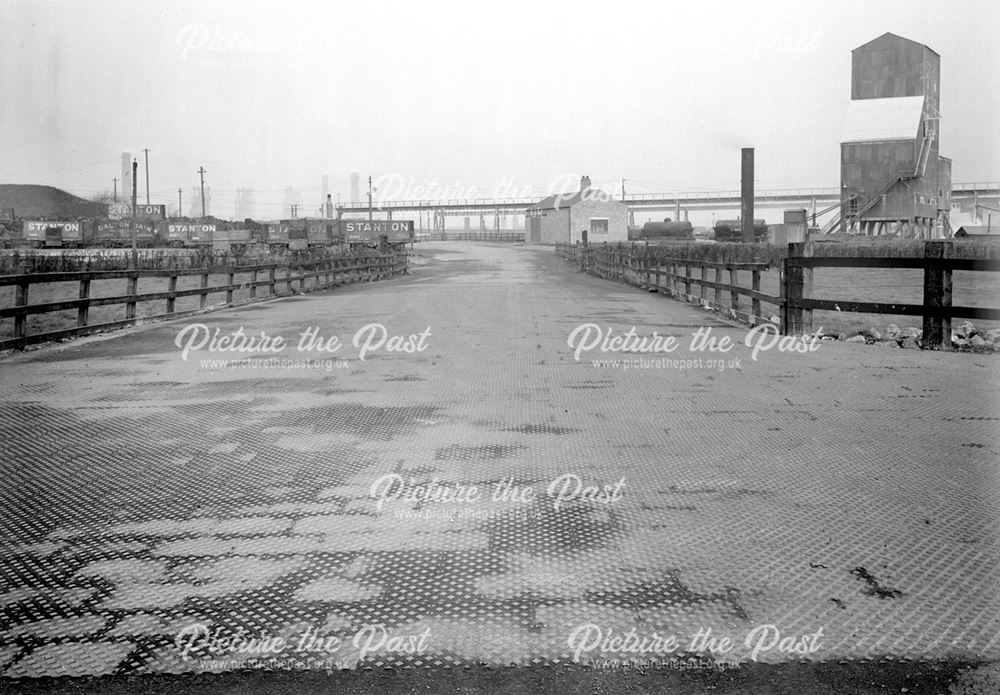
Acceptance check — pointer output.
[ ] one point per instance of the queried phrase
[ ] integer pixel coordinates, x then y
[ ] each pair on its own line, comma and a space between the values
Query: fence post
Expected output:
734, 296
131, 291
687, 280
253, 285
81, 313
718, 290
702, 290
796, 286
203, 296
754, 301
171, 287
21, 299
229, 290
937, 295
270, 277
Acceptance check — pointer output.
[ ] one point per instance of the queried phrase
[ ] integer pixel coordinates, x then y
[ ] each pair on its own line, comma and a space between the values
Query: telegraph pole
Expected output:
201, 171
369, 197
115, 179
135, 170
146, 150
180, 207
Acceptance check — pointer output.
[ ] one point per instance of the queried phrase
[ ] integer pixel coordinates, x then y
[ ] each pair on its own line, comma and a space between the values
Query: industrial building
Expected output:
893, 180
589, 215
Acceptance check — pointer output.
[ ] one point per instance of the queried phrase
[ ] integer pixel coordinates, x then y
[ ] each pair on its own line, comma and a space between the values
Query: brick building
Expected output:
566, 217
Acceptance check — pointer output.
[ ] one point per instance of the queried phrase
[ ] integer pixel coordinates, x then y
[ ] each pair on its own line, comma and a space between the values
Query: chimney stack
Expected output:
746, 195
584, 183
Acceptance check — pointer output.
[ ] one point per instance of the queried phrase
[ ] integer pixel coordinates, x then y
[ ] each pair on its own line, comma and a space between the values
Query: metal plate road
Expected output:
164, 515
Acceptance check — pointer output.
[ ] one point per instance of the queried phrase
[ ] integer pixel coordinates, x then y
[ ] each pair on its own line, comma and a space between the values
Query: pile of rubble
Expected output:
966, 337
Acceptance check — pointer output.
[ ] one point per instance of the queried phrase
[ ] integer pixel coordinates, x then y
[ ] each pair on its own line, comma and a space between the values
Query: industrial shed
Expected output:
568, 217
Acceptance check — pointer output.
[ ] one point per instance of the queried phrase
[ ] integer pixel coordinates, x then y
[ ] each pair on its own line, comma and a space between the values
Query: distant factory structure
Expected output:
355, 188
893, 180
291, 203
194, 202
246, 203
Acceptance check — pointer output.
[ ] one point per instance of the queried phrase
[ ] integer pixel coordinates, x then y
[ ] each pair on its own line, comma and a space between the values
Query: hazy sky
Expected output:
497, 100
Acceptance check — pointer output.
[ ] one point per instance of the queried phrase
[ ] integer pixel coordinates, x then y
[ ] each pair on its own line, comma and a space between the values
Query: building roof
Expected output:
557, 202
878, 120
895, 37
970, 230
563, 201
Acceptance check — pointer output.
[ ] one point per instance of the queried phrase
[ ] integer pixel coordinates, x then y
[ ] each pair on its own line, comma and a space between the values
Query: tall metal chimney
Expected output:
746, 196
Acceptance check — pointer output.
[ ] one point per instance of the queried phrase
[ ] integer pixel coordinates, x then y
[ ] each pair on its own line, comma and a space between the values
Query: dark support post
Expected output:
718, 290
229, 290
734, 296
203, 297
746, 196
253, 286
796, 286
82, 311
171, 287
754, 302
270, 284
133, 289
687, 280
937, 295
703, 290
21, 299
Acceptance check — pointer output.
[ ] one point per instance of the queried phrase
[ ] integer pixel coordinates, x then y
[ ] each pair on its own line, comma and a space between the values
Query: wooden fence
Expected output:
308, 275
644, 266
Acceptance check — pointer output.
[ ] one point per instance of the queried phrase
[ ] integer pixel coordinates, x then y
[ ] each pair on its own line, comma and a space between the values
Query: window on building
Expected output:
598, 225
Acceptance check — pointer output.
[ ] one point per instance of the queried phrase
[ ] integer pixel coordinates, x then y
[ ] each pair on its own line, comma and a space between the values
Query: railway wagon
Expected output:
118, 233
291, 233
667, 230
730, 230
56, 233
370, 231
186, 234
321, 231
236, 240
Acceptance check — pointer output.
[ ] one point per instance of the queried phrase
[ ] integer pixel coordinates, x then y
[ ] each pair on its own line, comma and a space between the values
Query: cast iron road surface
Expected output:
160, 512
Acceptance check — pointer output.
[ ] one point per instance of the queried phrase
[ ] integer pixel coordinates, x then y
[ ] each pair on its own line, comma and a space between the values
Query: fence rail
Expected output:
310, 275
638, 266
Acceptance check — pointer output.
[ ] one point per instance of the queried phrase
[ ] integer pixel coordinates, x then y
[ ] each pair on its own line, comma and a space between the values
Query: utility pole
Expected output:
146, 150
135, 169
180, 208
115, 179
201, 172
623, 189
369, 197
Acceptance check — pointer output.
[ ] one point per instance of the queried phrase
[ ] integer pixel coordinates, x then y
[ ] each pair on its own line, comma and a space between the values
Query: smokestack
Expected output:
329, 205
746, 196
584, 183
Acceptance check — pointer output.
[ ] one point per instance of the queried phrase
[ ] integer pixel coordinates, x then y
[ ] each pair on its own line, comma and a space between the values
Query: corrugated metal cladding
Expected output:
891, 66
